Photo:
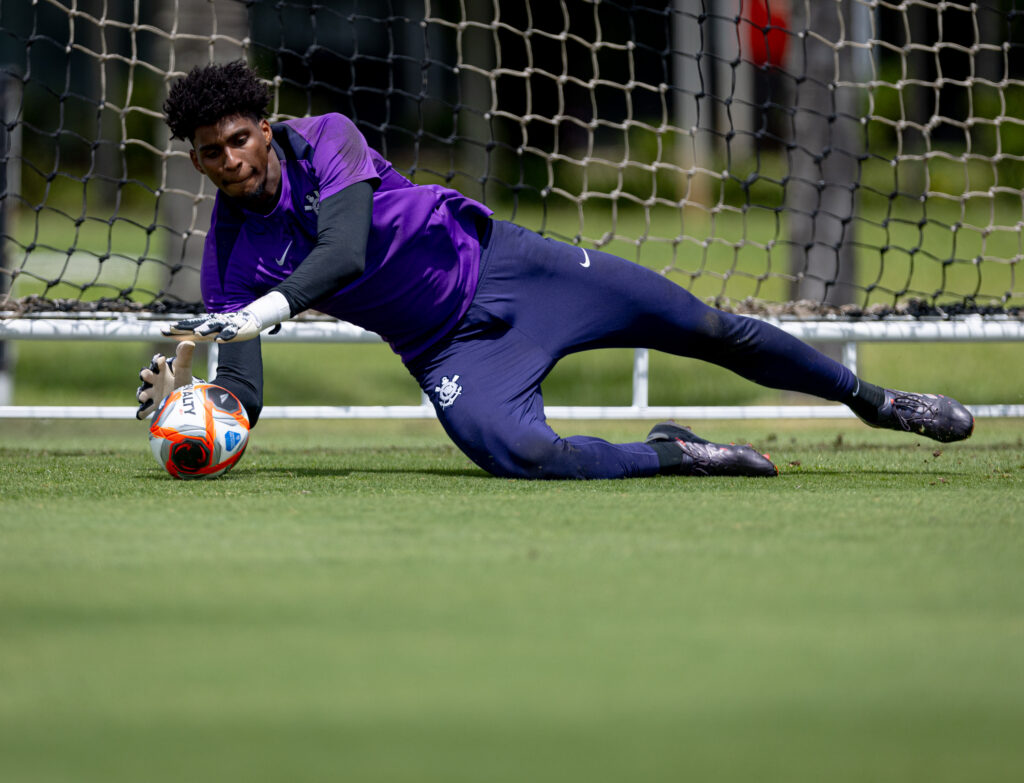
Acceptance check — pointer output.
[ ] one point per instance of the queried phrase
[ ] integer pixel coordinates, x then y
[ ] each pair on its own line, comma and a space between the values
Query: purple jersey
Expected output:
422, 254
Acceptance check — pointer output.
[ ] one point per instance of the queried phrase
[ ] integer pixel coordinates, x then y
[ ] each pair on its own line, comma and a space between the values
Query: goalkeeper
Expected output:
478, 310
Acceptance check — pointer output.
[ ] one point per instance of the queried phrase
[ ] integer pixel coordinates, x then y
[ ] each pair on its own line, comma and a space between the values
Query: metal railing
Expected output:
134, 327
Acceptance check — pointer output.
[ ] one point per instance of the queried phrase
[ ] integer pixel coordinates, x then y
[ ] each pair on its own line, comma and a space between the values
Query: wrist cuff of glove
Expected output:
270, 309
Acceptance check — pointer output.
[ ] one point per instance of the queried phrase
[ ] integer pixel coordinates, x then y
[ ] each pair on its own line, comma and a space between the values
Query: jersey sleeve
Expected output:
341, 156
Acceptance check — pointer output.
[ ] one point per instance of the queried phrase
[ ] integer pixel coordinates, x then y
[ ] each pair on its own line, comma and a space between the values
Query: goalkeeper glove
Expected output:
266, 311
164, 376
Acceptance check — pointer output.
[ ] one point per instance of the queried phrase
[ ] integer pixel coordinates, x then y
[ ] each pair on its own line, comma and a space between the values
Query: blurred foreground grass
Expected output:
357, 601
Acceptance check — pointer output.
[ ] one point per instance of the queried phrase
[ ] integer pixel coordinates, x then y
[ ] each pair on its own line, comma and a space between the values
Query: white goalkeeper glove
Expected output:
164, 376
246, 324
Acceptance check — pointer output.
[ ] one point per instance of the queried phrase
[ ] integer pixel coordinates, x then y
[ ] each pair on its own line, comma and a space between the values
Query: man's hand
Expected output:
164, 376
221, 327
267, 311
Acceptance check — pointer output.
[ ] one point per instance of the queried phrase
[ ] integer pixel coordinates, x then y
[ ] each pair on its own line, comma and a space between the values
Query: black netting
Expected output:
840, 159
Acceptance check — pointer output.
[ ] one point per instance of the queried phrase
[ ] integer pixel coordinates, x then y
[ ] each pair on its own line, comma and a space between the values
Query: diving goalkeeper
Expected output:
479, 310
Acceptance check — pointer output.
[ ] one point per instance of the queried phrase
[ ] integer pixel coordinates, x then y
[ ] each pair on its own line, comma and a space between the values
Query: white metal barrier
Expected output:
132, 327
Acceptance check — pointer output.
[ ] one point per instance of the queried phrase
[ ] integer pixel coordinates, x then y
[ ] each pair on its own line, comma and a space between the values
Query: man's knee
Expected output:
540, 456
532, 456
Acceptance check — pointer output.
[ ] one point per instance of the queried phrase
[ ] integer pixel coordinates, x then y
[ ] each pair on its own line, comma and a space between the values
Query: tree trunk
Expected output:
186, 201
825, 144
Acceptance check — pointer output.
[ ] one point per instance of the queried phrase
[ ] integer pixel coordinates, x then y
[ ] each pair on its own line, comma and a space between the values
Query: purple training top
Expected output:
422, 255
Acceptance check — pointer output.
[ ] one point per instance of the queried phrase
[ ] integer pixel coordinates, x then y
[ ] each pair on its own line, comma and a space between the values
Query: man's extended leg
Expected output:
568, 299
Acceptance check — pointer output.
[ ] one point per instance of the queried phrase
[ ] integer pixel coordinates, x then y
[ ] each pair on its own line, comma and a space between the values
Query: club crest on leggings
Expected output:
448, 391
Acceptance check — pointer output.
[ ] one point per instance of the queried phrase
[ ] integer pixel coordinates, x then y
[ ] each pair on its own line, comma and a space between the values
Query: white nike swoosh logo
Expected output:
586, 259
284, 255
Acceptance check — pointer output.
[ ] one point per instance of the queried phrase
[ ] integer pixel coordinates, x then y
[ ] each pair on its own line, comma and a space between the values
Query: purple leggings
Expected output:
538, 300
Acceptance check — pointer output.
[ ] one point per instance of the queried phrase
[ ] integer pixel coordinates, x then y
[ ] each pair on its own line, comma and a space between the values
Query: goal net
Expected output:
791, 158
860, 156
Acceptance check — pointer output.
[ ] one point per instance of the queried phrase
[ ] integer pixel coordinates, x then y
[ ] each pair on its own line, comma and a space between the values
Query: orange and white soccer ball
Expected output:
199, 432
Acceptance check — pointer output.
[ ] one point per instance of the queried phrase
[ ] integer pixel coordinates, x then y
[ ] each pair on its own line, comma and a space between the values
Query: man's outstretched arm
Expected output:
337, 259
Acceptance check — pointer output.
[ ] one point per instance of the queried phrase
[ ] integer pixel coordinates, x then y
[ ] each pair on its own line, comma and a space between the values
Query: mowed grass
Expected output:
357, 601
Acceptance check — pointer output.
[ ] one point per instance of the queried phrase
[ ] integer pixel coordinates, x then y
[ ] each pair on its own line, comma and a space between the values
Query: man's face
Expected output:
236, 155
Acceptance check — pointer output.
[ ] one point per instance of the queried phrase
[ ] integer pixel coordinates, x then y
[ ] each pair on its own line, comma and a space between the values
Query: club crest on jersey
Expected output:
313, 203
448, 391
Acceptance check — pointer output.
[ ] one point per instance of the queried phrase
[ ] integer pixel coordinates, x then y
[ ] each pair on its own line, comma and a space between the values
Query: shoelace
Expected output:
911, 409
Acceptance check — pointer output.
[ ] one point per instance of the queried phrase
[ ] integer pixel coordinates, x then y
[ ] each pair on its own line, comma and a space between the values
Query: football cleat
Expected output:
699, 457
932, 415
669, 430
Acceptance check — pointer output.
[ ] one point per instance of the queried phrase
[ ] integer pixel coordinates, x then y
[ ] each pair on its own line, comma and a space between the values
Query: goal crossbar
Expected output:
130, 327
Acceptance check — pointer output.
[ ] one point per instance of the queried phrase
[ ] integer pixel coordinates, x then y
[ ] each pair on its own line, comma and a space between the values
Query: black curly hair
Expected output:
212, 92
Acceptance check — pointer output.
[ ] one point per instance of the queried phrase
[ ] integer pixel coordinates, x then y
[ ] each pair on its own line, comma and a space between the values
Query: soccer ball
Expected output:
199, 432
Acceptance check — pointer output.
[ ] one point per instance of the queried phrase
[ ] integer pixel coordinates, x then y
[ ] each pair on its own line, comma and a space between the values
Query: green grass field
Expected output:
358, 602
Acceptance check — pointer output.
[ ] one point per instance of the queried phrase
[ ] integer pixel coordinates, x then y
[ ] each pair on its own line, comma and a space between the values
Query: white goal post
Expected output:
847, 169
121, 327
